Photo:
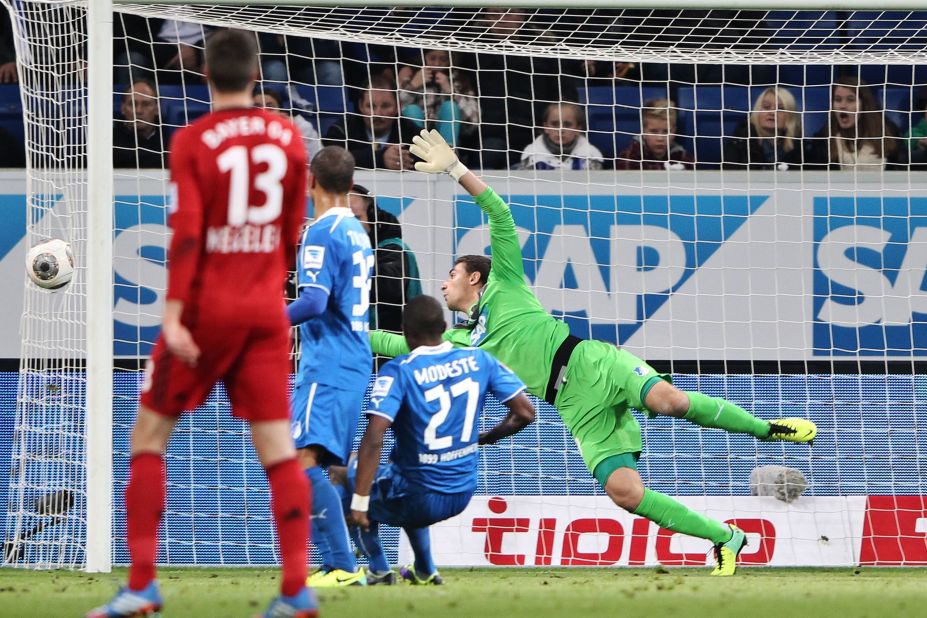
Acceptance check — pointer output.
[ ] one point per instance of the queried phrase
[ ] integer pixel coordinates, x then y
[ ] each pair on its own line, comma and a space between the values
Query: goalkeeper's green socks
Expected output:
672, 515
715, 412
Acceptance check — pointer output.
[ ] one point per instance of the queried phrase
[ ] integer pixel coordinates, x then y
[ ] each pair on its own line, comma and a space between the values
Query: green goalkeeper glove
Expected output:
436, 155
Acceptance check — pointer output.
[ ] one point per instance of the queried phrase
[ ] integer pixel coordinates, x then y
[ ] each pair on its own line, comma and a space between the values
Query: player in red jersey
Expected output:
238, 179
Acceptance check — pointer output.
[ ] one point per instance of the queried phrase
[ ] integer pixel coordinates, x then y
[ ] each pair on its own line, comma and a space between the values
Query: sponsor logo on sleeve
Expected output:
380, 389
313, 257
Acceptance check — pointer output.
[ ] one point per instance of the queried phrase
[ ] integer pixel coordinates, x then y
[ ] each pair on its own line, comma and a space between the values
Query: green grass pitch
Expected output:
503, 593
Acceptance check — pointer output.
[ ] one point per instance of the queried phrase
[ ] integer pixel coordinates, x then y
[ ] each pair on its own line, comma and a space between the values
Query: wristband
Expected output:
360, 503
457, 170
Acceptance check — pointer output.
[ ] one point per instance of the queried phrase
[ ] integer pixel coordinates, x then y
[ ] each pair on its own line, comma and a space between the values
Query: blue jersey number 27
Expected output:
438, 393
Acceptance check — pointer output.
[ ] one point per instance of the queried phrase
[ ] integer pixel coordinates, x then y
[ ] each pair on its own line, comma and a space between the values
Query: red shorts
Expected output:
253, 362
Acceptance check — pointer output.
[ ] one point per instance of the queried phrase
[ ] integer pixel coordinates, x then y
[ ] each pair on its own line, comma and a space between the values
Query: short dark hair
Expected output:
365, 193
273, 93
423, 317
476, 264
231, 57
333, 169
379, 82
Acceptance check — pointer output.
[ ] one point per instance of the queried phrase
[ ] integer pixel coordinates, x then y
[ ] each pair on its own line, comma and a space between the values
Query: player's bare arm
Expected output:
368, 458
521, 414
177, 337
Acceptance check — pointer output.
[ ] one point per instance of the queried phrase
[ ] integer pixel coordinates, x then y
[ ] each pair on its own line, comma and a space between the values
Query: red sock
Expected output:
289, 501
144, 506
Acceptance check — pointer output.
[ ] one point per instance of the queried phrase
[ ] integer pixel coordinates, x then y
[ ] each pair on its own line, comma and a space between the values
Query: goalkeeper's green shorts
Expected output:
601, 384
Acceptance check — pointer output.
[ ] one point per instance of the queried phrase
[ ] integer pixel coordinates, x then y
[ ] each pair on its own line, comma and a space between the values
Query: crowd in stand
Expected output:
499, 111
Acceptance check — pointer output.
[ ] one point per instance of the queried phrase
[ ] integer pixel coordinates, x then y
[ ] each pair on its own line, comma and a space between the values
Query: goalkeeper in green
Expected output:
592, 384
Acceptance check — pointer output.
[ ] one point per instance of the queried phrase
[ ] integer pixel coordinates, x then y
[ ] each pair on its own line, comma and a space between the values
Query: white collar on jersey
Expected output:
340, 211
444, 346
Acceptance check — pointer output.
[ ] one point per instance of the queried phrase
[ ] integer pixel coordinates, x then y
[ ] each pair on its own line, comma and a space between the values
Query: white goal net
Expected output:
738, 197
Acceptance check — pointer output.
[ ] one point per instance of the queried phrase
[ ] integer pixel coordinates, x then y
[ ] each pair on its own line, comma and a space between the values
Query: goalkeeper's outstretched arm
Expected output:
438, 157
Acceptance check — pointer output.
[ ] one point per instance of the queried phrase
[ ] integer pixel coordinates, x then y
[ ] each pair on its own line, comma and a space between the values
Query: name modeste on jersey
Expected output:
451, 369
426, 375
434, 396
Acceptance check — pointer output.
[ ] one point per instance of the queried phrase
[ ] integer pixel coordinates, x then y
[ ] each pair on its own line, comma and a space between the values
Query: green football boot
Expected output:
726, 553
792, 430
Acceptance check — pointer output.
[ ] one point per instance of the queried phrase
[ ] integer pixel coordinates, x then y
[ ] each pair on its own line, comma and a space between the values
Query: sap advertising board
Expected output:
691, 265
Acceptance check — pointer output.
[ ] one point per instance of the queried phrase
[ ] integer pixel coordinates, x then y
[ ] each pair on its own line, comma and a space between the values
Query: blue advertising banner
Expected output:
870, 262
689, 266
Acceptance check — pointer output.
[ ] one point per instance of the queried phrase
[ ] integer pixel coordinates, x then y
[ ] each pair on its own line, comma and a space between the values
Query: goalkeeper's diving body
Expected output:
593, 384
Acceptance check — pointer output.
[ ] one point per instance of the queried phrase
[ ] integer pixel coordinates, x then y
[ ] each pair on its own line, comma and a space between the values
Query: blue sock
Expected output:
420, 541
318, 539
369, 544
328, 524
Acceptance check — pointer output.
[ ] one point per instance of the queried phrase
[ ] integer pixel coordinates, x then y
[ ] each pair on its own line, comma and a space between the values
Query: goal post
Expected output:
793, 292
99, 287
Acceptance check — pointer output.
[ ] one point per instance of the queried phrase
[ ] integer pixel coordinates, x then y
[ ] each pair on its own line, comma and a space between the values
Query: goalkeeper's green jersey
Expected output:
512, 325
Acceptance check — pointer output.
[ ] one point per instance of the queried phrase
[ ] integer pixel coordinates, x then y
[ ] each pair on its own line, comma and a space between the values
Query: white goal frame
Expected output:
98, 260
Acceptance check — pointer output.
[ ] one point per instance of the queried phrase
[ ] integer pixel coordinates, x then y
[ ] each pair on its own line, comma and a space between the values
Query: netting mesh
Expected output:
775, 280
688, 36
46, 513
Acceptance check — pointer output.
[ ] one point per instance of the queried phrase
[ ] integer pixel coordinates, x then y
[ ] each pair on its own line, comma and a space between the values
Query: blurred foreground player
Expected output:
239, 198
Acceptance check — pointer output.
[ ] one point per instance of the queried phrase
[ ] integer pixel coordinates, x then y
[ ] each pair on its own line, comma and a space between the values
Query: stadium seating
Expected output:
898, 104
804, 31
707, 115
11, 110
328, 105
868, 29
814, 102
806, 74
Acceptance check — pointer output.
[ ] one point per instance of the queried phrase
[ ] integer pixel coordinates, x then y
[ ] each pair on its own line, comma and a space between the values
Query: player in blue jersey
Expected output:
334, 266
432, 398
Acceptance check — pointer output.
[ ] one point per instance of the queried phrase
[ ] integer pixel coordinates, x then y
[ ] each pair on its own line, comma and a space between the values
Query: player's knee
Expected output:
666, 399
625, 488
151, 431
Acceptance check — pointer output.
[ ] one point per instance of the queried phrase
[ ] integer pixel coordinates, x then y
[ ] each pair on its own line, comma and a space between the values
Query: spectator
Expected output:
300, 59
439, 96
178, 51
610, 73
770, 138
175, 53
138, 137
655, 148
8, 72
376, 136
917, 135
857, 136
562, 144
396, 278
513, 89
271, 99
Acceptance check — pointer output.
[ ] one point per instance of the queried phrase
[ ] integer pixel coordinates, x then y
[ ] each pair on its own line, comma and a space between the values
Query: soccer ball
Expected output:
50, 264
